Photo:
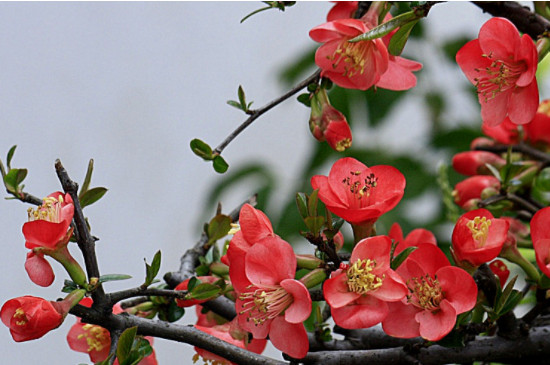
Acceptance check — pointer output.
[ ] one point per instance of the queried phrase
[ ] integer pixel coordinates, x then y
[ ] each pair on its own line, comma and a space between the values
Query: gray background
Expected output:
130, 84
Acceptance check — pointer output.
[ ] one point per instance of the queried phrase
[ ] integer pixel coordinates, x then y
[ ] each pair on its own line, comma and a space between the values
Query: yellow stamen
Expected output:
96, 337
479, 226
360, 277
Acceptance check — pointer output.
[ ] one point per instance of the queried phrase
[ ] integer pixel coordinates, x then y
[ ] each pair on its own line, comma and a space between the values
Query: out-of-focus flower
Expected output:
468, 192
342, 10
358, 294
357, 193
540, 234
478, 237
438, 292
500, 269
413, 239
502, 65
229, 332
472, 163
538, 130
506, 132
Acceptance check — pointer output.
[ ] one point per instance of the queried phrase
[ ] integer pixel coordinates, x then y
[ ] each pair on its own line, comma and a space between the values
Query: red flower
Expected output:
502, 65
191, 302
229, 332
506, 132
255, 226
357, 193
478, 237
48, 224
500, 270
342, 10
47, 233
413, 239
399, 75
96, 340
269, 301
358, 295
540, 234
350, 65
470, 189
438, 293
538, 130
29, 318
472, 163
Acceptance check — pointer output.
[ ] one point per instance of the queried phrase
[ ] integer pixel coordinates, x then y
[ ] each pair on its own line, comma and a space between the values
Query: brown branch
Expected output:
524, 19
113, 298
170, 331
86, 242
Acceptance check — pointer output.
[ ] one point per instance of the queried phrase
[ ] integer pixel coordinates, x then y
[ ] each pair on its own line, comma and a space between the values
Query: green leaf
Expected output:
201, 149
91, 196
202, 270
220, 165
13, 178
242, 97
87, 179
398, 260
312, 202
234, 104
125, 343
452, 340
113, 277
204, 291
218, 227
152, 270
385, 28
193, 282
69, 286
301, 202
304, 99
10, 156
314, 224
542, 181
174, 312
400, 38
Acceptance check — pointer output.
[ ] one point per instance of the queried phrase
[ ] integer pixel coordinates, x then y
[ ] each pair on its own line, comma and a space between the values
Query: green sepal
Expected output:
301, 203
87, 179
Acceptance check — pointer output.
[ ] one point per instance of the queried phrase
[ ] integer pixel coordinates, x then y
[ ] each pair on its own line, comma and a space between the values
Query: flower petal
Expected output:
300, 309
401, 323
459, 287
436, 325
290, 338
523, 103
365, 312
336, 291
39, 270
270, 261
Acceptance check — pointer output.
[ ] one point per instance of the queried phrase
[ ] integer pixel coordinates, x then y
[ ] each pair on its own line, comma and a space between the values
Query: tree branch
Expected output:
524, 19
175, 332
85, 241
113, 298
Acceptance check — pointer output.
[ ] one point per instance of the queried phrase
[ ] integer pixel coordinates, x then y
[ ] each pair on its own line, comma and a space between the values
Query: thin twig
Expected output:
259, 112
113, 298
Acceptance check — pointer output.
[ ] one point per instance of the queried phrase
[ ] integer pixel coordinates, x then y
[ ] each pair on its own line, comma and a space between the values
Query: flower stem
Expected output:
517, 258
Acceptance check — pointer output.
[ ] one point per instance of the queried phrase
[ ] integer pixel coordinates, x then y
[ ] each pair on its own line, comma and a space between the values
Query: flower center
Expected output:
20, 317
265, 303
479, 226
50, 210
360, 187
96, 337
343, 144
353, 55
360, 277
426, 292
500, 76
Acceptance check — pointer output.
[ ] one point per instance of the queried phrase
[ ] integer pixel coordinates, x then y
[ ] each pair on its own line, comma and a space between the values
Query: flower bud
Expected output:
474, 162
328, 124
472, 188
